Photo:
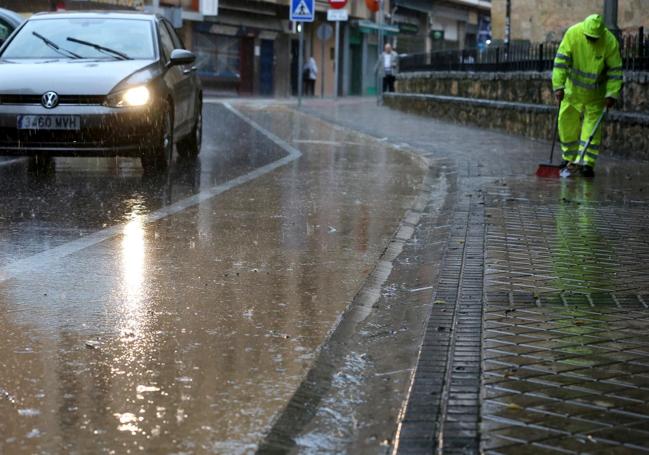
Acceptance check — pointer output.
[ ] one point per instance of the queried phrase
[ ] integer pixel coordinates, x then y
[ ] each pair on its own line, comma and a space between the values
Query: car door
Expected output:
176, 80
190, 84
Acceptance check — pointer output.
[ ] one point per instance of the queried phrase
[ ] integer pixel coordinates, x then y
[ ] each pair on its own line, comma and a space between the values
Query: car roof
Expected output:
12, 16
112, 14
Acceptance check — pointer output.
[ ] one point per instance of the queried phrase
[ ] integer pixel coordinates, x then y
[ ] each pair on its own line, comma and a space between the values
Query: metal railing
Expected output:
519, 57
635, 50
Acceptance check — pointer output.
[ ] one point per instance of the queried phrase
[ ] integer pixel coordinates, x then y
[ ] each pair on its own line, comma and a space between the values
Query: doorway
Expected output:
247, 65
266, 64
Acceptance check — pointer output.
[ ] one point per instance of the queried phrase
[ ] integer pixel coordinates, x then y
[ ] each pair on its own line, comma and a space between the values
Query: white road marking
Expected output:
334, 143
46, 258
13, 161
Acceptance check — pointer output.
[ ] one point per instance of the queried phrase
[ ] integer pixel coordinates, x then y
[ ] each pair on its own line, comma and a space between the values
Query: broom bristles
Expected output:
548, 170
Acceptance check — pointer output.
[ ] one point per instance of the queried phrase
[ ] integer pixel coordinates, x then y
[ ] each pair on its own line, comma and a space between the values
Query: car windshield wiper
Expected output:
99, 47
55, 46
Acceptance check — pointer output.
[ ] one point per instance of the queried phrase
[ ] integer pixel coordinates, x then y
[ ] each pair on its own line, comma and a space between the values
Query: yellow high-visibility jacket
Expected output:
588, 71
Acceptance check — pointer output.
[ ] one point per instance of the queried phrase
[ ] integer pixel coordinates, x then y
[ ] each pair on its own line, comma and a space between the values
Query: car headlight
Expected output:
136, 96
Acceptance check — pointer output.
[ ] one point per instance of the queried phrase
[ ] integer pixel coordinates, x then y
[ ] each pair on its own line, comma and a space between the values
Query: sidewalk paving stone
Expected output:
542, 343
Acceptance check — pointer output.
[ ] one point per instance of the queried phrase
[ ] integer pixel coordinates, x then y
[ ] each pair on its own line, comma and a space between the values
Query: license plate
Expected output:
49, 122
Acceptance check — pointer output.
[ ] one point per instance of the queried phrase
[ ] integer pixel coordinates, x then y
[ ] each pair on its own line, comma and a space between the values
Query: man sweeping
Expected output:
587, 77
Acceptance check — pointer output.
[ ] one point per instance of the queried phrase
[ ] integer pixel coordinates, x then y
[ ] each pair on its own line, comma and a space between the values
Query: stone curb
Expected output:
635, 118
641, 77
625, 133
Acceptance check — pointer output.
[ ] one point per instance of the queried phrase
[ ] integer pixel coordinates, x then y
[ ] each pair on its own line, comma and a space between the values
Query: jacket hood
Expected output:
68, 77
594, 26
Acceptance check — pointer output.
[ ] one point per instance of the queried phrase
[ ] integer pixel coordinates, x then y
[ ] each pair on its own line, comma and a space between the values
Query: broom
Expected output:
567, 172
548, 169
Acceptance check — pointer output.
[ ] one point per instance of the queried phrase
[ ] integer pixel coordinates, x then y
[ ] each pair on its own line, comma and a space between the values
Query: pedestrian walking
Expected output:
309, 76
388, 65
587, 77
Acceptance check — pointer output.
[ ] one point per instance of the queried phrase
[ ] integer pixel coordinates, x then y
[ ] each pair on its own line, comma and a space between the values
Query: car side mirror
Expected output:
181, 57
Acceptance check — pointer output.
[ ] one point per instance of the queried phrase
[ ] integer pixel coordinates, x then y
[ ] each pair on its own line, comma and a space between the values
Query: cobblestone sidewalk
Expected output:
538, 338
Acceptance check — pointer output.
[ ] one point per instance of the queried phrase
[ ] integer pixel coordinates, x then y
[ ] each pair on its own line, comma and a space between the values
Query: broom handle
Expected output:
592, 135
554, 135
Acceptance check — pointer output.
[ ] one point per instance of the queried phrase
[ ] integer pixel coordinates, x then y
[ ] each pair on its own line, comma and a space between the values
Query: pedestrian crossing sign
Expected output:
302, 10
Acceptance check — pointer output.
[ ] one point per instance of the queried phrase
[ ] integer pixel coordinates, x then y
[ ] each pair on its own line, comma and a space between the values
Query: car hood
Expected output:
69, 77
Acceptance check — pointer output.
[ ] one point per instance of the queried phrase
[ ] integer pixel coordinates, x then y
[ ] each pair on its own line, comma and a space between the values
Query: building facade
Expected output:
535, 21
250, 47
432, 25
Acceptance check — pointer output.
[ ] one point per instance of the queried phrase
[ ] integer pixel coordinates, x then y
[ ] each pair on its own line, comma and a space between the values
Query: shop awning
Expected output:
372, 27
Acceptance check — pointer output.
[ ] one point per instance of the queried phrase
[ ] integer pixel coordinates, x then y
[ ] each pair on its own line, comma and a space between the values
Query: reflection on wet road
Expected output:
190, 332
81, 195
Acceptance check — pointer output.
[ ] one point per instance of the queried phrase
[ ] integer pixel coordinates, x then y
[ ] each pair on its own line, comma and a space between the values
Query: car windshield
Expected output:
110, 39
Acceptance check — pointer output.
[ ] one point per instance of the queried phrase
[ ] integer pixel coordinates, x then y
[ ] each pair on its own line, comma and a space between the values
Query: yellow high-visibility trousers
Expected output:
574, 134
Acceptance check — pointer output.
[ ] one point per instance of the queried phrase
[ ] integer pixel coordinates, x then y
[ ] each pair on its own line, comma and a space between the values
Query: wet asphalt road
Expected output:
179, 313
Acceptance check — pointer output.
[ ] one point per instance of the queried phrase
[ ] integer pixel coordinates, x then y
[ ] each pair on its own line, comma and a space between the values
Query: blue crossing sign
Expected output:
302, 10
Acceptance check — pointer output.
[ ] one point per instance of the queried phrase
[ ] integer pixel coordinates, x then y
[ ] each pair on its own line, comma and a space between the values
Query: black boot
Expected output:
587, 171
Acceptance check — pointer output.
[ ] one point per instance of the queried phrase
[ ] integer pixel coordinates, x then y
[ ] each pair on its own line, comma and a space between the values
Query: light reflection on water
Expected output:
133, 255
201, 347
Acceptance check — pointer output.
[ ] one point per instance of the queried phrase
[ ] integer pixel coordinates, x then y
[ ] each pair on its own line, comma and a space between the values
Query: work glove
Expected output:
559, 95
610, 102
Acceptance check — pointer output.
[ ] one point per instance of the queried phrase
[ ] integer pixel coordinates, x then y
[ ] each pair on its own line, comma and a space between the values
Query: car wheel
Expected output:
191, 145
159, 157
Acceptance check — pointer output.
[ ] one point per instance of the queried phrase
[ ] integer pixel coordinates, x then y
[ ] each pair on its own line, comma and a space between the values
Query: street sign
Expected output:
337, 15
437, 35
406, 28
324, 32
373, 5
302, 10
209, 7
338, 4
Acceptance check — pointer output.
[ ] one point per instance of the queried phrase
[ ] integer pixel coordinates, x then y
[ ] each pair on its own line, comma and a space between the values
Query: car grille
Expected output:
63, 99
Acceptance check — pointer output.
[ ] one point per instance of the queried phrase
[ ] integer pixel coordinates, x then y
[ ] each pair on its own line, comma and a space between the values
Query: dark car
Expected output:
99, 84
9, 21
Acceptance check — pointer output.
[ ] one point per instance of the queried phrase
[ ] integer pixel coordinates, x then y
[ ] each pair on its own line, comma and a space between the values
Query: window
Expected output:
217, 55
178, 43
5, 31
166, 41
131, 37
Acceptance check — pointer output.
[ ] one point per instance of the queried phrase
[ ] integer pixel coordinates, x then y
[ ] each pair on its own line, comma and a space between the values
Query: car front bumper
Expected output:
103, 131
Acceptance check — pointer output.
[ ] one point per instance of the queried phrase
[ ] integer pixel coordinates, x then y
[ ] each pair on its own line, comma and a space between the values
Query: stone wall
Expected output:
525, 87
625, 133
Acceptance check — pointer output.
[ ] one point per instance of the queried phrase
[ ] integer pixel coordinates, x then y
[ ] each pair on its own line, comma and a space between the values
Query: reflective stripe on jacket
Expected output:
588, 71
